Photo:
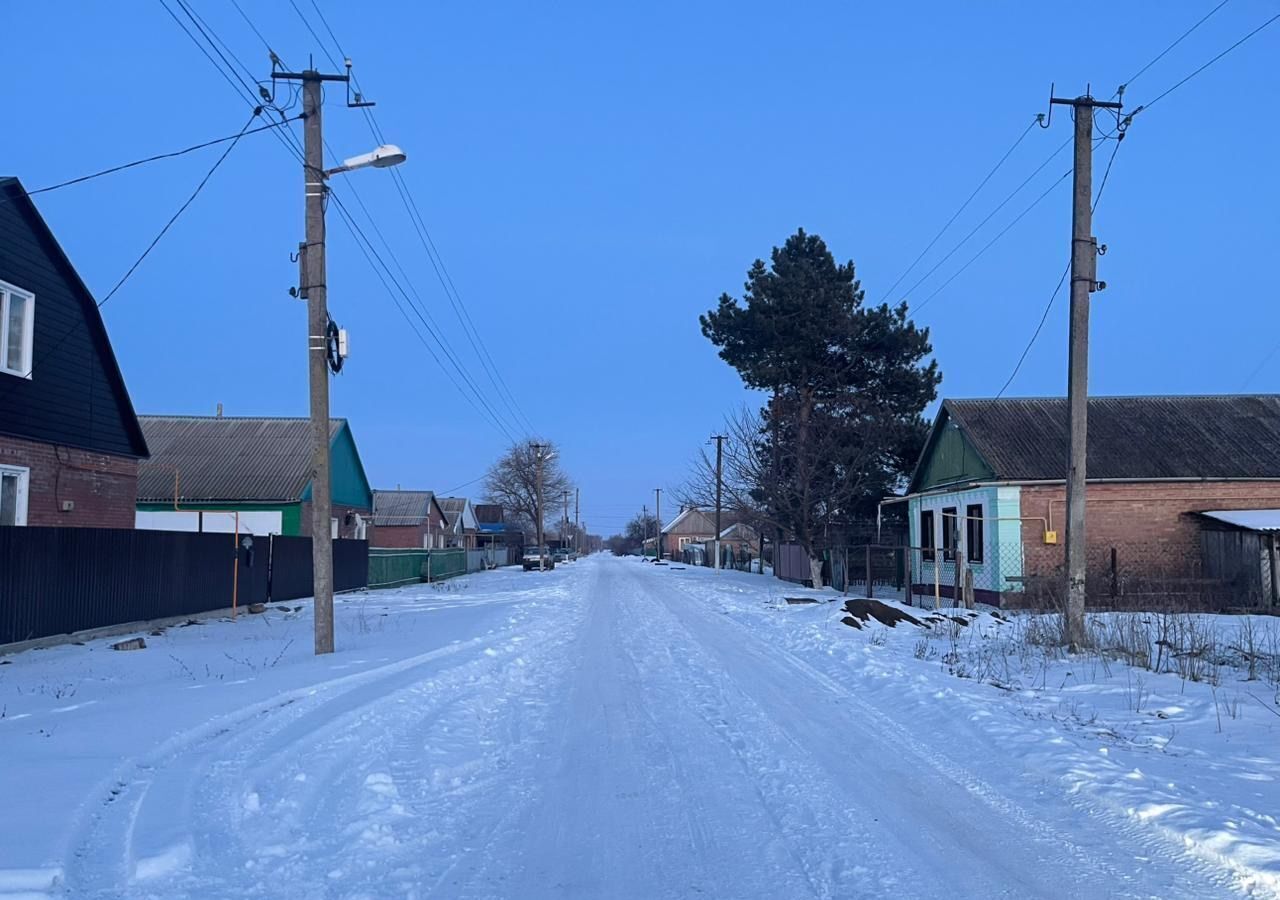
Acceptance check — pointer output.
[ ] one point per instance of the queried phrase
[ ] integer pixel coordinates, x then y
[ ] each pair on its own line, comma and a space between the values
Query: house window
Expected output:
926, 535
973, 532
13, 495
17, 322
949, 533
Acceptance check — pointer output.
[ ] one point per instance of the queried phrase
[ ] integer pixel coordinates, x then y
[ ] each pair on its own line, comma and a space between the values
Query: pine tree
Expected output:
848, 385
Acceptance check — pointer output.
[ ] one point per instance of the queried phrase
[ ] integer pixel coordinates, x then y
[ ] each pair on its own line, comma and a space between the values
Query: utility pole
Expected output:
320, 329
658, 526
577, 510
719, 439
538, 450
564, 531
644, 529
1084, 271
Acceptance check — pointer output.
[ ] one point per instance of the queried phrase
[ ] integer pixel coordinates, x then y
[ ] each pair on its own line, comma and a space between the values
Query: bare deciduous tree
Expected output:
512, 483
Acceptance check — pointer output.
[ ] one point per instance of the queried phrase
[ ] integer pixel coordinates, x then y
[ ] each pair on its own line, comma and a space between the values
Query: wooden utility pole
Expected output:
644, 529
564, 531
719, 439
658, 526
1084, 270
577, 510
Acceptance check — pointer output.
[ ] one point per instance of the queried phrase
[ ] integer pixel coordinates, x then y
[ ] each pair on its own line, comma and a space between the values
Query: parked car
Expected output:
561, 554
538, 558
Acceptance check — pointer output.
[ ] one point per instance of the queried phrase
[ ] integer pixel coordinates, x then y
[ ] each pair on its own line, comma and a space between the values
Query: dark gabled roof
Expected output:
402, 507
75, 376
1139, 438
228, 458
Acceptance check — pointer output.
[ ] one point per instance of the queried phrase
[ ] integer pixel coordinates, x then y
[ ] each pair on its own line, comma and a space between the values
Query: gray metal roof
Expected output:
1248, 519
452, 508
401, 507
227, 458
1142, 438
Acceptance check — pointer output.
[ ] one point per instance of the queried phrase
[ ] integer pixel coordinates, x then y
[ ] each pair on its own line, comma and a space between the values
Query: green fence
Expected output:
392, 567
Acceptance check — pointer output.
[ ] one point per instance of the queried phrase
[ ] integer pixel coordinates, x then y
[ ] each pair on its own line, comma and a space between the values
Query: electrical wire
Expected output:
1054, 296
963, 207
468, 326
1176, 85
1134, 77
149, 159
48, 353
1018, 218
964, 240
289, 141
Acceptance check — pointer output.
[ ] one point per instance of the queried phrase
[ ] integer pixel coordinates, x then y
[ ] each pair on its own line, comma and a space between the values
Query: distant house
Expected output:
989, 487
694, 527
409, 519
494, 533
460, 521
69, 439
204, 470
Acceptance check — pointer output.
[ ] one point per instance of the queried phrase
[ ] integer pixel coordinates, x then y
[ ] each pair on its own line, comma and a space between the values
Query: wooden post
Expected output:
955, 597
870, 590
968, 589
906, 575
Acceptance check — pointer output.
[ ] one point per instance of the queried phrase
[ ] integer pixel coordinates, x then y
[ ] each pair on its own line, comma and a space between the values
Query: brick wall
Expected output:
102, 487
1146, 523
400, 536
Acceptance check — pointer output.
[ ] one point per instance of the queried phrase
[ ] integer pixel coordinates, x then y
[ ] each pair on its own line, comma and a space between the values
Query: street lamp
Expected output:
384, 157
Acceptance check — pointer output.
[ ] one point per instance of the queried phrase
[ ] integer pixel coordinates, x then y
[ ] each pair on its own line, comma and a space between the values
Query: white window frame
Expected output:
24, 483
28, 344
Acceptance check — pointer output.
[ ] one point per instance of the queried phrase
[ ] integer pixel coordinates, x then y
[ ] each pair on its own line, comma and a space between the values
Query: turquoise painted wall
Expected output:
346, 473
1002, 540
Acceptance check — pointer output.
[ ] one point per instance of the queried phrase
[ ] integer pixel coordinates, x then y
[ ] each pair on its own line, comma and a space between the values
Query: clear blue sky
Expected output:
595, 175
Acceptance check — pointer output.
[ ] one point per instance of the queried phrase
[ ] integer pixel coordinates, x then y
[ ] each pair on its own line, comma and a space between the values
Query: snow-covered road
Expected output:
609, 729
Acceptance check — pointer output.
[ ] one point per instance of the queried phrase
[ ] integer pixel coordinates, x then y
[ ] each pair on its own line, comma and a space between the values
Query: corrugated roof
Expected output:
401, 507
1251, 519
227, 458
1236, 436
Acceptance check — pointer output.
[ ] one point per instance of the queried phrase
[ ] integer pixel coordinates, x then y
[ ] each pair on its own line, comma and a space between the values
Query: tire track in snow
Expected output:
933, 761
206, 772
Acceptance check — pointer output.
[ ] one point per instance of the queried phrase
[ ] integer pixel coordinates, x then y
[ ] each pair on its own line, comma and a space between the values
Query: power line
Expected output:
48, 354
1134, 77
1196, 72
964, 240
1054, 296
963, 207
289, 141
424, 236
1018, 218
151, 159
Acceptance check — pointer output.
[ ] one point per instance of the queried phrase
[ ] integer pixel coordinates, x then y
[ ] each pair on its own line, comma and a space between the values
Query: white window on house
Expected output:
17, 327
13, 495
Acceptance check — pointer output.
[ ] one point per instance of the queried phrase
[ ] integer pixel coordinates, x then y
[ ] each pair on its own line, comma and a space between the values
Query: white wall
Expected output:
251, 522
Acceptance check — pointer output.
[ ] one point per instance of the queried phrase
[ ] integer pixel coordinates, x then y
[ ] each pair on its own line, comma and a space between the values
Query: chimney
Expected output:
219, 410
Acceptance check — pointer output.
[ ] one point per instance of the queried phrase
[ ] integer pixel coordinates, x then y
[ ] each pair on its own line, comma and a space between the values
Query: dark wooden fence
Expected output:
62, 580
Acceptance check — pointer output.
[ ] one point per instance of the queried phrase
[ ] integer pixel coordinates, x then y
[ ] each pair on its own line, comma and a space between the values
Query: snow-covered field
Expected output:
618, 729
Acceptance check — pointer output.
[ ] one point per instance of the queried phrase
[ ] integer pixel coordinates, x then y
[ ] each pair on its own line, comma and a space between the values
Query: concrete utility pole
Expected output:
538, 451
719, 439
1084, 270
314, 289
564, 531
644, 529
658, 527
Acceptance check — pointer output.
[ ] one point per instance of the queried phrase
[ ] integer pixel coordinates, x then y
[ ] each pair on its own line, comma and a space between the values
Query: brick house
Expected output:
69, 439
409, 519
989, 489
215, 473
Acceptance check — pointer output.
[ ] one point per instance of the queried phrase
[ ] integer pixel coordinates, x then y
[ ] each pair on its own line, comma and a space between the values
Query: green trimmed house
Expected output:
989, 490
205, 472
